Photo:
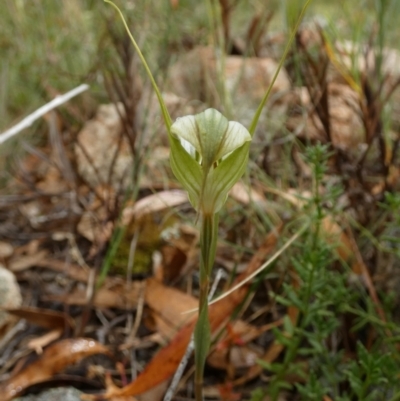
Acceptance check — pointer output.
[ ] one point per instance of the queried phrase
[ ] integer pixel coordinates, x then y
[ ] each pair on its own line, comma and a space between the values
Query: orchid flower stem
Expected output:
202, 331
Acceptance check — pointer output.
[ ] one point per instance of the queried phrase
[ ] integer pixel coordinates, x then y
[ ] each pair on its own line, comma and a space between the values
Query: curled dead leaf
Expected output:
154, 203
53, 360
46, 318
166, 361
37, 344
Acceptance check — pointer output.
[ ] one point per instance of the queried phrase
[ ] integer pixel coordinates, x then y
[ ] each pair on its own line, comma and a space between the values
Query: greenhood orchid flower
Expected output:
208, 155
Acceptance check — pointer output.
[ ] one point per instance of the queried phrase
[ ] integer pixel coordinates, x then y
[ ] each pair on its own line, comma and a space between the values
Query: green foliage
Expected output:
390, 236
372, 375
42, 48
323, 298
43, 52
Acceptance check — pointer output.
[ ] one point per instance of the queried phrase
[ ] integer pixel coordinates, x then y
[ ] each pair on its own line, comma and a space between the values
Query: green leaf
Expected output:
164, 111
223, 177
187, 171
208, 244
288, 325
202, 338
259, 110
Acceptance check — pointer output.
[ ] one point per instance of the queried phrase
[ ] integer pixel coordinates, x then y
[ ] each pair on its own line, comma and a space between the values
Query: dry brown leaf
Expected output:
92, 227
347, 131
247, 79
94, 224
165, 362
20, 263
74, 271
154, 203
155, 394
37, 344
245, 194
52, 182
174, 260
238, 357
110, 386
242, 356
224, 392
54, 359
168, 306
113, 294
46, 318
179, 253
118, 296
98, 142
6, 250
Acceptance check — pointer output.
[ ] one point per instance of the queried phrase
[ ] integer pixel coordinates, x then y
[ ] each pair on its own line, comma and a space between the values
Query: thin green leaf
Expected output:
202, 338
257, 115
208, 242
224, 176
186, 170
164, 111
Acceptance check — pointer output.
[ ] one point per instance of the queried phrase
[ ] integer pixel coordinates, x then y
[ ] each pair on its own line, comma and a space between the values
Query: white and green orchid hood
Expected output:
208, 156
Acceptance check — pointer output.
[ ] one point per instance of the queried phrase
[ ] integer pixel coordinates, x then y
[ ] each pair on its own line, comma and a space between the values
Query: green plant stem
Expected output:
164, 111
202, 331
260, 108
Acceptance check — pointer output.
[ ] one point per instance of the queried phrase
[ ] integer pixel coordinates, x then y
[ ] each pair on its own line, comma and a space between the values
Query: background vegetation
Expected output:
339, 299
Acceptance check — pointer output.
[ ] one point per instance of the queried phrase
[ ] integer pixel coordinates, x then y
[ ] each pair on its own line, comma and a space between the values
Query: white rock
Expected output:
10, 294
347, 130
100, 138
194, 76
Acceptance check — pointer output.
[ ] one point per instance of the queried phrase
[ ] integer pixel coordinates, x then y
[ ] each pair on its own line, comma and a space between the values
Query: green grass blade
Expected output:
256, 117
164, 111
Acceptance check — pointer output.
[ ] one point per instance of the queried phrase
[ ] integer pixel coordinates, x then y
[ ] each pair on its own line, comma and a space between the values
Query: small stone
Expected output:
246, 80
347, 130
54, 394
10, 294
99, 141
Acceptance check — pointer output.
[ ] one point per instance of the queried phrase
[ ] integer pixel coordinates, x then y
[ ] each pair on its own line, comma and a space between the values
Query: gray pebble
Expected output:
54, 394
